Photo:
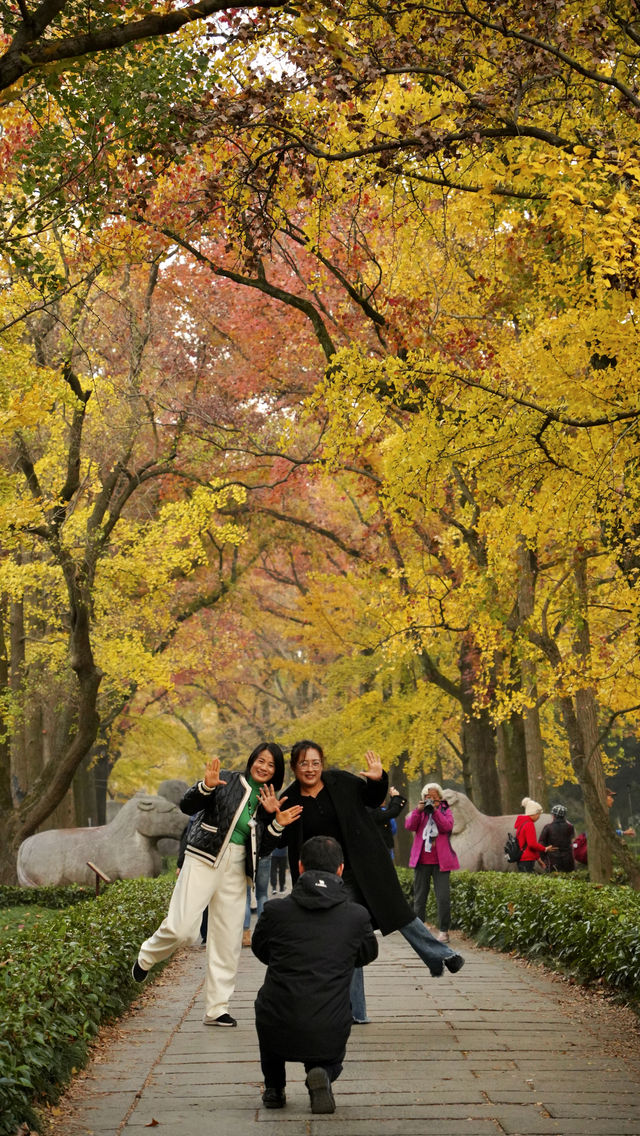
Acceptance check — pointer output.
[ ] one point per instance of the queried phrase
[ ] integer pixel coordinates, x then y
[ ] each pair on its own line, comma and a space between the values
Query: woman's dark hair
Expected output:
321, 853
278, 759
298, 750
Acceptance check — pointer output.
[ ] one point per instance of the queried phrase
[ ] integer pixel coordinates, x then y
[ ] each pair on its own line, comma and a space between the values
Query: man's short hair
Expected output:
321, 853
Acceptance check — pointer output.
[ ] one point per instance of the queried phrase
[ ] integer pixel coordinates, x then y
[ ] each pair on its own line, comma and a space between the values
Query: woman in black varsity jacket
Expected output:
237, 821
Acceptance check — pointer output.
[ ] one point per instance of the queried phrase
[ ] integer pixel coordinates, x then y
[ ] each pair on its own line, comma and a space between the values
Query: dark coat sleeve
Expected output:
372, 792
260, 938
182, 847
268, 838
368, 949
194, 800
389, 812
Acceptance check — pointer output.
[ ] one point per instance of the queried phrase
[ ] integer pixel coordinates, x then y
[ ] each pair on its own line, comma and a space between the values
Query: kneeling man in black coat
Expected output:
311, 942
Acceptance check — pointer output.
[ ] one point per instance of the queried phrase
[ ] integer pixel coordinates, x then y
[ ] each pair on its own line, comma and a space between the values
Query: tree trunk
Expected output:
479, 743
398, 778
49, 788
536, 774
511, 763
102, 766
600, 854
478, 735
594, 804
19, 777
600, 858
84, 794
6, 801
58, 726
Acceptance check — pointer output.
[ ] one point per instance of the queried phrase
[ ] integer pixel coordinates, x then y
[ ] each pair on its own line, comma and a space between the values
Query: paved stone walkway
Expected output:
498, 1048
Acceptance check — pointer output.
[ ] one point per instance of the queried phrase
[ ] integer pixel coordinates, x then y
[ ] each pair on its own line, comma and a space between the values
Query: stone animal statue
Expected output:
478, 839
174, 790
123, 849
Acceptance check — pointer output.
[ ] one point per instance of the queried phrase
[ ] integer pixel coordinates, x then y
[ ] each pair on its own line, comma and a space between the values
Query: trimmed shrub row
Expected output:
63, 978
589, 931
54, 897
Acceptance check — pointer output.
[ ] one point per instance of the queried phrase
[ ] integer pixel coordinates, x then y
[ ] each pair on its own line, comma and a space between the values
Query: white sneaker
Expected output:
443, 937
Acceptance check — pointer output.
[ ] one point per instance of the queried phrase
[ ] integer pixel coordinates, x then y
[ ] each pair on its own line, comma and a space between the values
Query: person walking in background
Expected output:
532, 849
232, 826
559, 833
610, 798
579, 849
432, 857
310, 943
385, 818
278, 870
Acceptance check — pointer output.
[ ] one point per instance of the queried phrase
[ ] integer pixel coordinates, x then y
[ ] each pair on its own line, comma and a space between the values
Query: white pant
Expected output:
223, 889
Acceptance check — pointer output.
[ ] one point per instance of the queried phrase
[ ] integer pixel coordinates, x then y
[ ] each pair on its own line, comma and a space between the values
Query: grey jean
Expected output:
423, 874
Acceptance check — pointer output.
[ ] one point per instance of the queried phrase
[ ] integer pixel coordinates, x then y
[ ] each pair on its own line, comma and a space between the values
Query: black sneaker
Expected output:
319, 1087
138, 972
223, 1020
274, 1098
454, 963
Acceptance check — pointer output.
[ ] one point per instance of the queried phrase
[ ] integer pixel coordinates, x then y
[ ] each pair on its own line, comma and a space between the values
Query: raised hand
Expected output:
268, 799
374, 768
212, 776
287, 816
273, 804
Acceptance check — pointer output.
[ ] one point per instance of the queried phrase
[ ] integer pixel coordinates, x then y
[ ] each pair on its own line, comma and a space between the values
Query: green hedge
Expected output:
55, 897
587, 930
61, 980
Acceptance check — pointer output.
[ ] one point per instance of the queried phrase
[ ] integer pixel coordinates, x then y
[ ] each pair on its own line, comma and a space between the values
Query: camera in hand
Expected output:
429, 806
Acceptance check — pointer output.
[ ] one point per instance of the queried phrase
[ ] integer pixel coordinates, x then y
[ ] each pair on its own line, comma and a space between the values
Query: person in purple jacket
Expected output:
432, 856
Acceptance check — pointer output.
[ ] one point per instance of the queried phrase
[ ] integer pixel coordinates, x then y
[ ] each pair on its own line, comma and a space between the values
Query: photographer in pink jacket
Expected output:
432, 856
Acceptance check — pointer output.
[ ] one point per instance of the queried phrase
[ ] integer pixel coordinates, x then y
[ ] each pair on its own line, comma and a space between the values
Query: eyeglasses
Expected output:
309, 765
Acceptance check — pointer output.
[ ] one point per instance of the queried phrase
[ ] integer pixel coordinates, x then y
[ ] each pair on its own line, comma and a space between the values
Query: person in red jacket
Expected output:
532, 850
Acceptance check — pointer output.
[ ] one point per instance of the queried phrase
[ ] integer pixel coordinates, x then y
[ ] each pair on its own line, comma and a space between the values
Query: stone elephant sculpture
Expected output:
123, 849
174, 790
478, 839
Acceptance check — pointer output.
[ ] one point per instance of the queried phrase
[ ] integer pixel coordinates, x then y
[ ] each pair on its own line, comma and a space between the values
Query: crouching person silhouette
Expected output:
310, 942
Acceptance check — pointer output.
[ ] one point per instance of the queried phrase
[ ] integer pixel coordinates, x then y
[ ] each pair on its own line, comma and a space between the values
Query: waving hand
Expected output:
374, 768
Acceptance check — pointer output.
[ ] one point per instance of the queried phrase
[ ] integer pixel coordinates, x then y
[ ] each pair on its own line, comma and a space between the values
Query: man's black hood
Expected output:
318, 889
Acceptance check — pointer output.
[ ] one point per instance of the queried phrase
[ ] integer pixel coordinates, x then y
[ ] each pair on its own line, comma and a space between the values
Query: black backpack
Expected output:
512, 849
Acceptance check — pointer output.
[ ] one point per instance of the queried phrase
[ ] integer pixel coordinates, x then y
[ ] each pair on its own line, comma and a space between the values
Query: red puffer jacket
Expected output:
527, 839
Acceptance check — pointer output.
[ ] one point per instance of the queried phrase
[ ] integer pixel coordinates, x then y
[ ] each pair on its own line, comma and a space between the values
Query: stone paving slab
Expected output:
499, 1048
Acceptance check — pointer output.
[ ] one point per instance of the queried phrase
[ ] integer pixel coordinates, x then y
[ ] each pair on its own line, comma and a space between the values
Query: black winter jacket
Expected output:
310, 941
371, 867
215, 814
382, 816
560, 834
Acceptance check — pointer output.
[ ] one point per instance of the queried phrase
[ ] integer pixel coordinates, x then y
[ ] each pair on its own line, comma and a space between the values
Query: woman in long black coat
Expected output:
334, 803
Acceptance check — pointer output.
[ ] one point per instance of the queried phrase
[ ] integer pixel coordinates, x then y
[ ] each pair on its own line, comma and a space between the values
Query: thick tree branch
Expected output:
28, 52
262, 285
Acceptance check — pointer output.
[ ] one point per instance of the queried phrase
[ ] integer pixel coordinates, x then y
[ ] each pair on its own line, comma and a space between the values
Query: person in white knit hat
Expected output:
532, 849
